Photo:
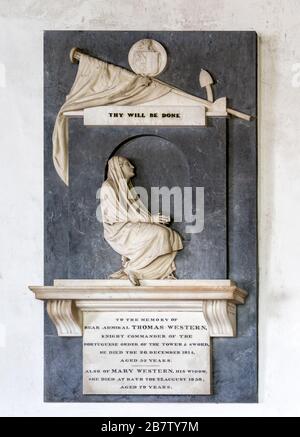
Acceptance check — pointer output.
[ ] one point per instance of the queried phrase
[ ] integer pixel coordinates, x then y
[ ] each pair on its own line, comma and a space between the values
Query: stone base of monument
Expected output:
151, 339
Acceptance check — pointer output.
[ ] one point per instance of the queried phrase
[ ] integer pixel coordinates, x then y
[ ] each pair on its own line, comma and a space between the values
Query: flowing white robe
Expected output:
149, 247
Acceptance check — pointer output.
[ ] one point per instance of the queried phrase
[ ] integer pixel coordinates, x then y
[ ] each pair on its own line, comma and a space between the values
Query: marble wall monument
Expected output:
150, 217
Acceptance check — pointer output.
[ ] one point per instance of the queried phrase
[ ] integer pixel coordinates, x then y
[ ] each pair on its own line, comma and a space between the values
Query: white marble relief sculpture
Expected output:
99, 83
148, 247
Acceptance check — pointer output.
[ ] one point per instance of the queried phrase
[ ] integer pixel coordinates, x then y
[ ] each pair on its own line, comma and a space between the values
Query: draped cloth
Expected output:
149, 248
99, 83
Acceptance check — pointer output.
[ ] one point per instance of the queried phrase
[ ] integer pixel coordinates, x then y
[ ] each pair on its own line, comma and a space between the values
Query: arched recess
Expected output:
158, 163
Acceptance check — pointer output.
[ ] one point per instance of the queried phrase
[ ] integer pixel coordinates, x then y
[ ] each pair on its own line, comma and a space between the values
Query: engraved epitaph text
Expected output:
146, 353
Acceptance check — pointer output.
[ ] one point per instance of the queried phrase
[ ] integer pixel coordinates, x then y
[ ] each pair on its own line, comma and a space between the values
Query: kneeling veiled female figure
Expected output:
148, 247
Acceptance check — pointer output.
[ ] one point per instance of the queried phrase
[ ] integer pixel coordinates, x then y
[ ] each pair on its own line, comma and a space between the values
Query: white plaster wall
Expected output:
21, 180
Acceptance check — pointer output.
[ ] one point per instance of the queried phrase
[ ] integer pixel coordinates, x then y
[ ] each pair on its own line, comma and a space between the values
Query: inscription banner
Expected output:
146, 353
145, 116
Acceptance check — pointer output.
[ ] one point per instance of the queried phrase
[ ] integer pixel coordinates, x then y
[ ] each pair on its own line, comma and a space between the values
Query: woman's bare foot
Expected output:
133, 279
120, 274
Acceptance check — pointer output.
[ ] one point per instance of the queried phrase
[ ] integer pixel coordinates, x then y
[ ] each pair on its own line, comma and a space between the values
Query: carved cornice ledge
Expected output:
67, 299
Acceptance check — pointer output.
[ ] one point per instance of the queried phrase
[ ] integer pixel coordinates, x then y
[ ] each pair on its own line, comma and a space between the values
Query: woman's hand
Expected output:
159, 218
